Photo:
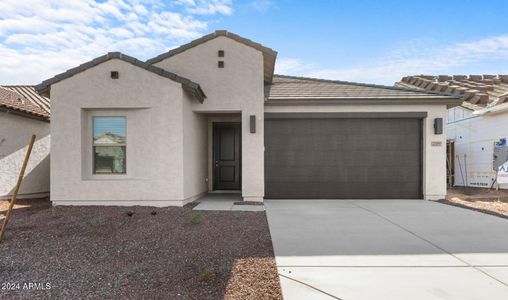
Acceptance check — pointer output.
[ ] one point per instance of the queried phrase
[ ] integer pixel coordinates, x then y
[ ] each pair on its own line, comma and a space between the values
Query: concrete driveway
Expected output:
387, 249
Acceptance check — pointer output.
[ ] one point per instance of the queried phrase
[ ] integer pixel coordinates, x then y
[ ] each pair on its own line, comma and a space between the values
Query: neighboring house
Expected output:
211, 116
23, 112
477, 130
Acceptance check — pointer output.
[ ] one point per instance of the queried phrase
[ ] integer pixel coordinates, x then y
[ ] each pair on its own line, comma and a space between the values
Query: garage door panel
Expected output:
343, 158
344, 175
358, 158
332, 142
351, 190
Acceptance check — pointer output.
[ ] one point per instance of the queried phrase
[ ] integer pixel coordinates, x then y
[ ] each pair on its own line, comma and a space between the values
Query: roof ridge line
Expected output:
205, 38
366, 85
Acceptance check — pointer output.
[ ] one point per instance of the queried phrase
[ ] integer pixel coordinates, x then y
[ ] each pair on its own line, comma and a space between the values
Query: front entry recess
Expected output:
226, 156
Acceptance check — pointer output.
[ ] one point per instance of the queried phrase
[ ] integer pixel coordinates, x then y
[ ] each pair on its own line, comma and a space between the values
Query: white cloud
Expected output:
292, 66
39, 39
207, 7
415, 57
262, 5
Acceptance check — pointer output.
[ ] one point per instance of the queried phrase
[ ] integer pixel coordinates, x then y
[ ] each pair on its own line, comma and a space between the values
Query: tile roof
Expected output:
269, 55
23, 99
299, 88
187, 84
477, 91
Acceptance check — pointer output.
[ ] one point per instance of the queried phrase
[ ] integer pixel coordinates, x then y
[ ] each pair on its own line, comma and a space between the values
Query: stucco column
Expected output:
434, 157
253, 158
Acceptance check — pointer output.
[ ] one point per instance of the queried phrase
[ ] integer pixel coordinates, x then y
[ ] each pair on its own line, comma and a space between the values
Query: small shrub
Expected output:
196, 219
206, 274
96, 221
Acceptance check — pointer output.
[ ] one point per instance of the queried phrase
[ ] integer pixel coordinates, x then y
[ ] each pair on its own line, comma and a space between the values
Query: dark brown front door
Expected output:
226, 154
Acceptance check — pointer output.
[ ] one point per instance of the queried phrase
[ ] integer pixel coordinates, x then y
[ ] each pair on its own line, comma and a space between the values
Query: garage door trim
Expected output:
348, 115
419, 136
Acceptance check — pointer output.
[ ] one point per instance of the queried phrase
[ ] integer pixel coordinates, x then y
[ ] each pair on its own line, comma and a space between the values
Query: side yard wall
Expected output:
15, 133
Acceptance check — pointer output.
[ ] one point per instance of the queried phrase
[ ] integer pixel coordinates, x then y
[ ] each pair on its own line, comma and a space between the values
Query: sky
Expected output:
358, 40
115, 125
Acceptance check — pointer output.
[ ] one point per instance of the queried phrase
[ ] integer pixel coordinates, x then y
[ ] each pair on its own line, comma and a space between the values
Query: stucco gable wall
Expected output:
238, 87
153, 107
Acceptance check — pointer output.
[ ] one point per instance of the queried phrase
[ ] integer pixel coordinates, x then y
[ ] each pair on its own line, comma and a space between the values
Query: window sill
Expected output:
113, 178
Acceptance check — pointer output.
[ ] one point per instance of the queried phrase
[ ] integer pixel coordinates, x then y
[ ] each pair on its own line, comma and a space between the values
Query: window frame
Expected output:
94, 172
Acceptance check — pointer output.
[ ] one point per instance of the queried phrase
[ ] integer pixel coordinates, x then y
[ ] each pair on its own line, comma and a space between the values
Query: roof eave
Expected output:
22, 113
196, 93
449, 101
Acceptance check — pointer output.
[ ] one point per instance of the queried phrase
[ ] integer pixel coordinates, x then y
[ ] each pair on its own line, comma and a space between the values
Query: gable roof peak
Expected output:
188, 85
269, 55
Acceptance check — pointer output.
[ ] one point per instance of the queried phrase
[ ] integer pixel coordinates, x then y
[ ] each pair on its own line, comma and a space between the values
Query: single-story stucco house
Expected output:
211, 116
23, 112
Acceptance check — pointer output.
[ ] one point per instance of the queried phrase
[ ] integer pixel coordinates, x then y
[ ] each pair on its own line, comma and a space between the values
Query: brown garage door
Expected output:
343, 158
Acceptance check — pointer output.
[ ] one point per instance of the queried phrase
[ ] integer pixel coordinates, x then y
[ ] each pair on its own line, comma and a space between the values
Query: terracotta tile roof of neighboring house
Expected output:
109, 138
269, 55
24, 100
286, 88
188, 85
477, 91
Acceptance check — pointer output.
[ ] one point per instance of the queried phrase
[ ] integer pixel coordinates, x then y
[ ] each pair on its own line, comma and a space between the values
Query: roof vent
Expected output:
114, 74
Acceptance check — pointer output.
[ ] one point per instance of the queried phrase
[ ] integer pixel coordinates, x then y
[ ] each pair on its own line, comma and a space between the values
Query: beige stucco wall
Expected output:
238, 87
153, 106
195, 159
434, 157
15, 134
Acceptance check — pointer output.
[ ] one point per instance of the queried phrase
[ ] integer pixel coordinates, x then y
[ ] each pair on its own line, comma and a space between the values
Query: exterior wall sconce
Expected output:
252, 124
438, 126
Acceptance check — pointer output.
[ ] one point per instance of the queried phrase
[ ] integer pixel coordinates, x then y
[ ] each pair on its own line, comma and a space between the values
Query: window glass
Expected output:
109, 145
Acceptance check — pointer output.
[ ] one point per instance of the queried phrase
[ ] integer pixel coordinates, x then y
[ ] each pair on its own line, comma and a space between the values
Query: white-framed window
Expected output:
109, 144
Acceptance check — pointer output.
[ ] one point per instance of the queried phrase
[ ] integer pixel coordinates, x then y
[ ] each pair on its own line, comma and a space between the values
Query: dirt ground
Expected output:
133, 253
481, 199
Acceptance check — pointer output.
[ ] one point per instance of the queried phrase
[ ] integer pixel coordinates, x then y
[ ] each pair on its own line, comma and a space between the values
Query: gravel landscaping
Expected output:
484, 200
138, 252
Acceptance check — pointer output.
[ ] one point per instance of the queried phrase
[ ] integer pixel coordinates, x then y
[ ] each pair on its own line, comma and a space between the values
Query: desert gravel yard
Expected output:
491, 201
118, 252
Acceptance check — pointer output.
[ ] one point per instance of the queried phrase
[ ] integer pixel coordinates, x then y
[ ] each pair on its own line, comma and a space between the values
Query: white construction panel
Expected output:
475, 137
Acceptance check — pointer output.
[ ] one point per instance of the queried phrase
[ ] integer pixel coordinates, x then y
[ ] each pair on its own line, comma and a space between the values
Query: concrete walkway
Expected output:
387, 249
226, 202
